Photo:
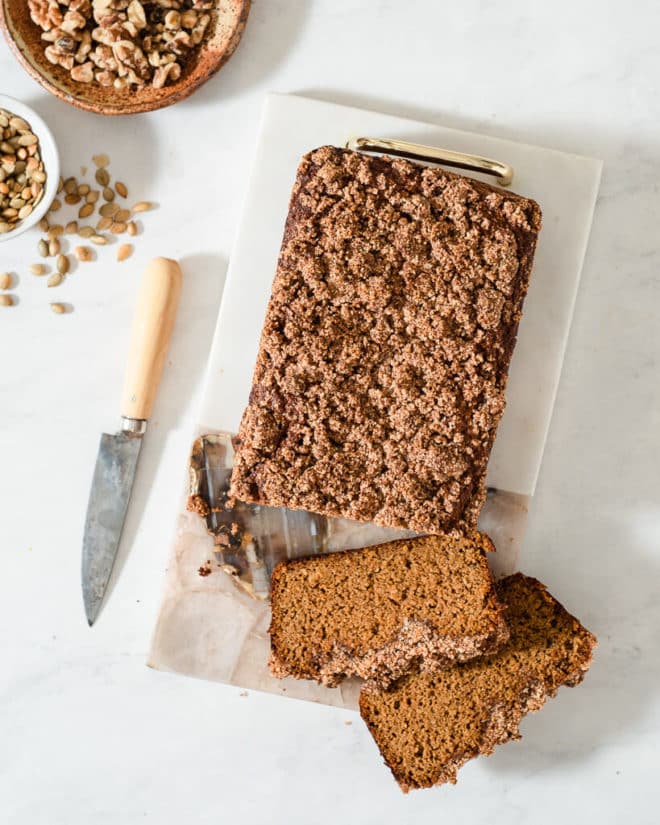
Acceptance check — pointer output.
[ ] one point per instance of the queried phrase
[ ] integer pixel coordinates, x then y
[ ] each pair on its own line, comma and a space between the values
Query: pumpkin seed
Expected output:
102, 177
121, 189
123, 215
54, 280
38, 269
86, 210
5, 280
86, 231
83, 253
43, 248
101, 160
132, 228
54, 247
118, 228
108, 194
108, 210
143, 206
71, 228
58, 309
99, 240
124, 251
103, 224
63, 264
6, 301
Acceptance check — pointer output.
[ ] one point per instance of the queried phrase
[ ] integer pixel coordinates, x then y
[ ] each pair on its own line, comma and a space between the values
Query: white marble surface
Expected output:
87, 733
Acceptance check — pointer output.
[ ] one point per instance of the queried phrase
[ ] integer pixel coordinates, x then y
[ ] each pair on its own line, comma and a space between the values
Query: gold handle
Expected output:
458, 160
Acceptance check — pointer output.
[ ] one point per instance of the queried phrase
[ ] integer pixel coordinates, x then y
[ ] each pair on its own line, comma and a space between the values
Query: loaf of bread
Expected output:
429, 724
376, 612
383, 362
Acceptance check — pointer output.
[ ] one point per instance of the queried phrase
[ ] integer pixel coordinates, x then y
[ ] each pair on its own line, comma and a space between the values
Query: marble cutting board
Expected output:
207, 626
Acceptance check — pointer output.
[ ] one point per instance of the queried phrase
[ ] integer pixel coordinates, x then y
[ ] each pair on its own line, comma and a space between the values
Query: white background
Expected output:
87, 733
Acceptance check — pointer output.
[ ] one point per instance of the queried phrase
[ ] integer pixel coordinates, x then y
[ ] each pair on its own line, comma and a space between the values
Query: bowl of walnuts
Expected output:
118, 57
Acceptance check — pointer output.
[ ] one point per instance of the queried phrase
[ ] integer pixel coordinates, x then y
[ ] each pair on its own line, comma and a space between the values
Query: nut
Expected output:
6, 301
5, 280
121, 189
86, 210
38, 269
54, 247
22, 174
63, 264
102, 177
142, 206
124, 251
99, 240
83, 253
43, 248
58, 309
54, 280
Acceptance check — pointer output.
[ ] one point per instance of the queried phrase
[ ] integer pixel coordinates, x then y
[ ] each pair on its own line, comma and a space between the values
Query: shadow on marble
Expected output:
272, 30
128, 140
203, 284
556, 134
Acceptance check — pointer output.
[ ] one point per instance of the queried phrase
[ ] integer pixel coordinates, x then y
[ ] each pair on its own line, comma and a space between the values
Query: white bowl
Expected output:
49, 156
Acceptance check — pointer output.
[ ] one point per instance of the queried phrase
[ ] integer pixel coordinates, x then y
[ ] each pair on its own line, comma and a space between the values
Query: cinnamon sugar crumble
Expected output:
384, 355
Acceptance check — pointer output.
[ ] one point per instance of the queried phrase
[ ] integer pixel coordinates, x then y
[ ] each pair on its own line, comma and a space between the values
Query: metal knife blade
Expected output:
155, 311
106, 511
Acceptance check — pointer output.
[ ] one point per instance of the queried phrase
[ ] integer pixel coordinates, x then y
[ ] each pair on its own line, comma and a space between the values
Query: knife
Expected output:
118, 454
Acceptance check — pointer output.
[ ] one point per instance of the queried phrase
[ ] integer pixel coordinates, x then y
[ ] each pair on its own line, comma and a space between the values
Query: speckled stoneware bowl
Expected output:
24, 37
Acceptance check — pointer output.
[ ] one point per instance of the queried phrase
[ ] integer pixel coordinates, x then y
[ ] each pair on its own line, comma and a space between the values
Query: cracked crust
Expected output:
381, 374
379, 611
428, 725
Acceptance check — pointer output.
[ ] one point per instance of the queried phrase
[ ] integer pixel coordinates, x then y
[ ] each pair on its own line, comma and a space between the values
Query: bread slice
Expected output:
430, 724
377, 611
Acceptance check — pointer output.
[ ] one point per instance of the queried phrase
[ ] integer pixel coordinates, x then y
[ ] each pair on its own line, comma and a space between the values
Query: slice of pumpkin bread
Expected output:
376, 612
429, 724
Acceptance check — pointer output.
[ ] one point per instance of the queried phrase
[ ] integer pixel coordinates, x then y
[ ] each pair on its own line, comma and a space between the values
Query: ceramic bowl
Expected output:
49, 156
24, 37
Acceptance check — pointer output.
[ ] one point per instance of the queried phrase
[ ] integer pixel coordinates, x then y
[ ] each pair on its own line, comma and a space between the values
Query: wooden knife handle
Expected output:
157, 303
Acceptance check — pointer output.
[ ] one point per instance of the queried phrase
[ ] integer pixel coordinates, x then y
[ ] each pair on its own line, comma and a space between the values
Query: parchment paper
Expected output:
209, 627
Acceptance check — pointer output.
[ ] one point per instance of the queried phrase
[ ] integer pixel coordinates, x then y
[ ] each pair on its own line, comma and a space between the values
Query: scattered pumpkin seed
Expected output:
102, 177
54, 280
99, 240
70, 185
43, 224
118, 228
103, 224
108, 194
86, 231
43, 248
86, 210
83, 189
6, 301
101, 160
124, 251
38, 269
63, 264
92, 196
71, 228
55, 206
122, 215
5, 280
54, 247
121, 189
143, 206
55, 231
108, 210
72, 199
58, 309
83, 253
132, 228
